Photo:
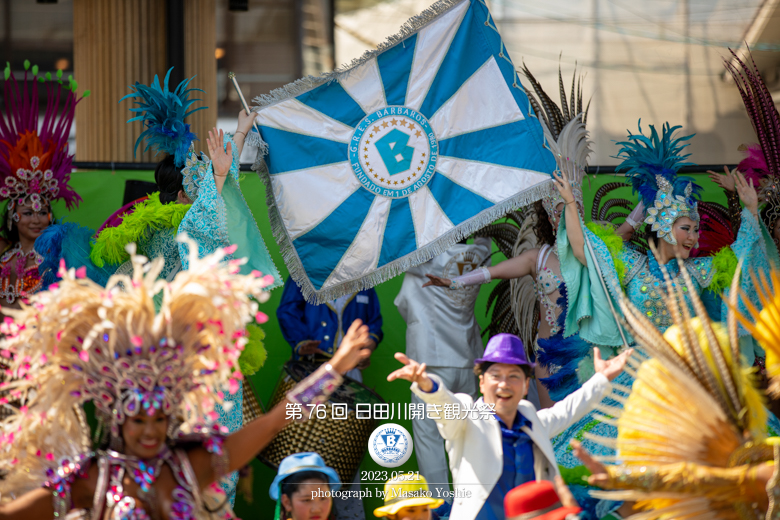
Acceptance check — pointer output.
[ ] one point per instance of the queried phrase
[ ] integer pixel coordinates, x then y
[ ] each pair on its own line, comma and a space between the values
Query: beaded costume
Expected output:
35, 165
652, 163
547, 285
81, 342
28, 279
214, 220
693, 430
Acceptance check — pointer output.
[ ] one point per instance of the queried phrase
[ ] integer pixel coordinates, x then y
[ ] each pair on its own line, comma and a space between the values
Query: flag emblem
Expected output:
377, 168
393, 152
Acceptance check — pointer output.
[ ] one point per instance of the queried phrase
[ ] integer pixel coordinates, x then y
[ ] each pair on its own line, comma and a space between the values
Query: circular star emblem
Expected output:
393, 152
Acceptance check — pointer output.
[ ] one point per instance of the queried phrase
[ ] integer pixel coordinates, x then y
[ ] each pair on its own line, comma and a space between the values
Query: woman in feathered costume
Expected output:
692, 439
35, 168
150, 375
762, 169
672, 225
198, 196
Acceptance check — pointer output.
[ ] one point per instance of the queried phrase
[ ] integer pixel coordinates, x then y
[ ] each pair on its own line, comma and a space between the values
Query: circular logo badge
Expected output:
393, 152
390, 445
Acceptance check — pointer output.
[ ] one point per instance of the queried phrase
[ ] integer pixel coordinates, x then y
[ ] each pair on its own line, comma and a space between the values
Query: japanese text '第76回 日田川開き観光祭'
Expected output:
380, 166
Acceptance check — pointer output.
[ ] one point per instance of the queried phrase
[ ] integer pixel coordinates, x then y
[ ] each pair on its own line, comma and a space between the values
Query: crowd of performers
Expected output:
642, 367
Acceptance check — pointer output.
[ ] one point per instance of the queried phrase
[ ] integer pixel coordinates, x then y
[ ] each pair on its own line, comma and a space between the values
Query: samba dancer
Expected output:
672, 221
693, 391
35, 170
151, 376
763, 169
199, 197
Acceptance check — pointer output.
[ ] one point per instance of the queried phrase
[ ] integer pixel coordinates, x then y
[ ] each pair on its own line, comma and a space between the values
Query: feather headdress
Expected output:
651, 165
691, 403
81, 342
762, 161
760, 109
163, 113
35, 165
565, 133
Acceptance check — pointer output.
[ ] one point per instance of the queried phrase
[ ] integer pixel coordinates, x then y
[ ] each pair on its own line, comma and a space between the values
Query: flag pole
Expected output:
604, 286
232, 76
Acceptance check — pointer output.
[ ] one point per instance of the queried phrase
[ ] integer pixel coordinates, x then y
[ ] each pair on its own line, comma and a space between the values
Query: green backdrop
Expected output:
102, 193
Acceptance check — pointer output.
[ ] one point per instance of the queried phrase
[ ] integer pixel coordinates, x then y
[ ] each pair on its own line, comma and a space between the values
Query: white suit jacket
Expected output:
474, 445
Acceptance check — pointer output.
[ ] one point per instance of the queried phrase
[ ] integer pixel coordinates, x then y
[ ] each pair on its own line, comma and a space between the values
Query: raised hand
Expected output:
724, 181
412, 371
354, 348
563, 186
599, 476
437, 281
221, 158
610, 367
245, 122
747, 193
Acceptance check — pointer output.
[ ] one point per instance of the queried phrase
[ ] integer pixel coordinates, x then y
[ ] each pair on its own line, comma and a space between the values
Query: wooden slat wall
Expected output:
116, 43
200, 37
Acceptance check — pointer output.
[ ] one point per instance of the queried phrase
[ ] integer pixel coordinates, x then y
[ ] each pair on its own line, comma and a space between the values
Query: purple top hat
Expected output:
505, 348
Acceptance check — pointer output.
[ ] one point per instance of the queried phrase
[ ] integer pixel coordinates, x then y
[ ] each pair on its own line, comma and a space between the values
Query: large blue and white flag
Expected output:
377, 168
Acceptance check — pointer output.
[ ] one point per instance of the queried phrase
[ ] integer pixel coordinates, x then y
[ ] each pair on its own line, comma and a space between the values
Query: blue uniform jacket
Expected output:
301, 321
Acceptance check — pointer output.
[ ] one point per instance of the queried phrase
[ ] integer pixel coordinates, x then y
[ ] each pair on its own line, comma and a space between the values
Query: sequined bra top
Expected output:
547, 284
28, 279
111, 502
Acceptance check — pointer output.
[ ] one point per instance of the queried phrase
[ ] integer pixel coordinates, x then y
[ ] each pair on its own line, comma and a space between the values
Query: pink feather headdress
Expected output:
35, 165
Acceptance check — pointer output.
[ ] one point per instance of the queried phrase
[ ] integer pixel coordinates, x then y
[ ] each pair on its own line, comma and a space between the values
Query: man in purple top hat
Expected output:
501, 441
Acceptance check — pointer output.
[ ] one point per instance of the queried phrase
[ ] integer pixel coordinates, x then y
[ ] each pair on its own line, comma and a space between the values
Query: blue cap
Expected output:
298, 462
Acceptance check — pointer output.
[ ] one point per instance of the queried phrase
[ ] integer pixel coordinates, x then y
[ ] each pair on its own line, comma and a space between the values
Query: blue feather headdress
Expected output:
644, 158
163, 113
651, 165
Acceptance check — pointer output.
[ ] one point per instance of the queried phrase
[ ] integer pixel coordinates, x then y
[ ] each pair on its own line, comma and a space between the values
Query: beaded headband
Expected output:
668, 208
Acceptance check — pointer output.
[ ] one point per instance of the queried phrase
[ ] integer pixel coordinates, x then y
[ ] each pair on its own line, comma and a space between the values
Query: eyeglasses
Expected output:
510, 378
